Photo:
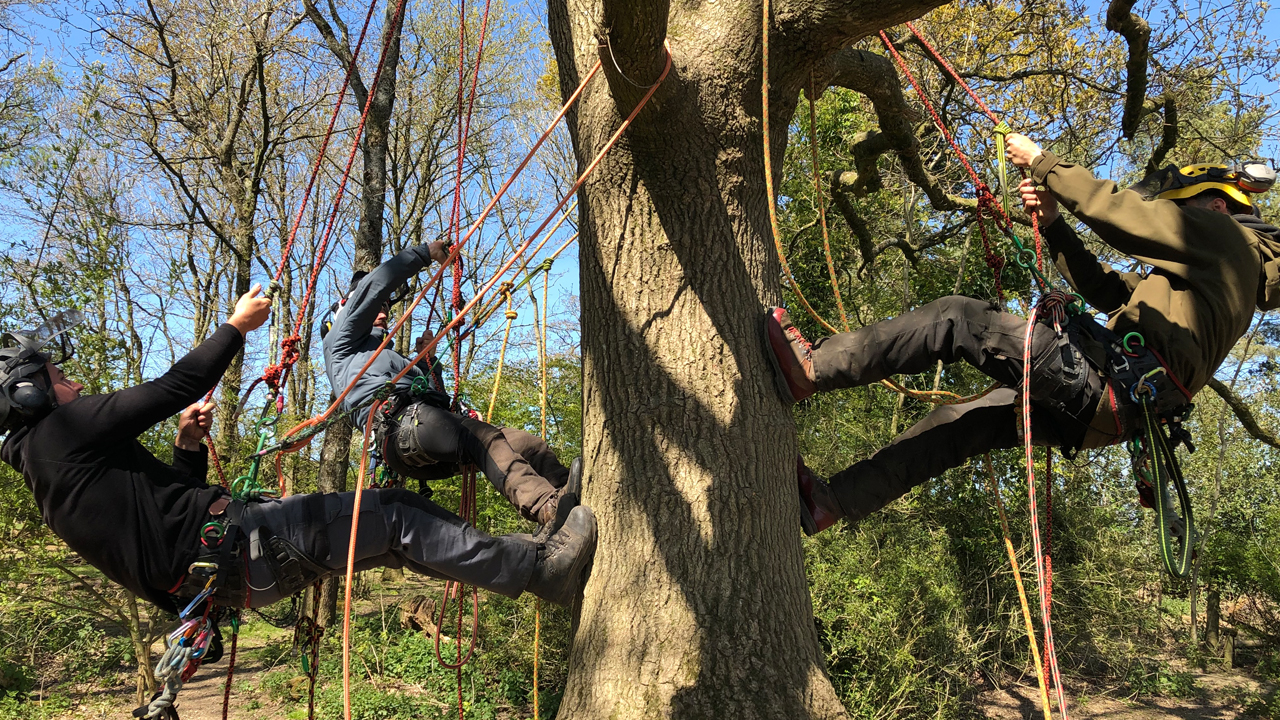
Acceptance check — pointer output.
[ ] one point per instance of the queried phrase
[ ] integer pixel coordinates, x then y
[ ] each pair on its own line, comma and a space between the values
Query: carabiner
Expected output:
1125, 343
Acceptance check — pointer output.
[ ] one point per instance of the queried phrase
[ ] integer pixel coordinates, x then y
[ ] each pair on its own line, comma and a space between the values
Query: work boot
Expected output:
791, 356
556, 509
819, 508
564, 557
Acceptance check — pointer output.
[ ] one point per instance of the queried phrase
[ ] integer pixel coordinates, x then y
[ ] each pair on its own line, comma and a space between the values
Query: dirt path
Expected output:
1218, 696
200, 699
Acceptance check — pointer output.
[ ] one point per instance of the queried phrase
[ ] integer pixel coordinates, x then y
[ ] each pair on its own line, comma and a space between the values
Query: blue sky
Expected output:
66, 42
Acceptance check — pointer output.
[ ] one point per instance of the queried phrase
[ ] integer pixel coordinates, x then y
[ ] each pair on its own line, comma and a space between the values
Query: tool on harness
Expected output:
216, 578
1155, 466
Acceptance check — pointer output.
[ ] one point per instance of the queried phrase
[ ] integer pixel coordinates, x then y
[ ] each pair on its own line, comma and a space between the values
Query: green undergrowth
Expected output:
396, 674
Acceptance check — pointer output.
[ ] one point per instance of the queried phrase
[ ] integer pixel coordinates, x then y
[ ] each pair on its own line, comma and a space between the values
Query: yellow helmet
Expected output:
1195, 179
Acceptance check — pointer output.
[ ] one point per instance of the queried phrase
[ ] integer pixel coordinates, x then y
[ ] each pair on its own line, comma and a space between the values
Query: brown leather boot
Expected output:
819, 508
791, 356
556, 509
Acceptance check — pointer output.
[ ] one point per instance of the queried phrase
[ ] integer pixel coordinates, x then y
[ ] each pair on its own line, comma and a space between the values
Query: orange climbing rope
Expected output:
456, 320
935, 397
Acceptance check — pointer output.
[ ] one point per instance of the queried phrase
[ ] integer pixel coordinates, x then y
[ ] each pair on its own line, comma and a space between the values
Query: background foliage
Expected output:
916, 605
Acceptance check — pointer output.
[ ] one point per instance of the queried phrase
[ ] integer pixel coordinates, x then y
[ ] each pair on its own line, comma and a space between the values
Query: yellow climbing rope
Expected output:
935, 397
994, 487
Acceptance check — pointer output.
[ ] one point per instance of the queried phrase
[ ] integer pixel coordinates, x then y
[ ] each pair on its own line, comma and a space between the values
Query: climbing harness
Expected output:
220, 580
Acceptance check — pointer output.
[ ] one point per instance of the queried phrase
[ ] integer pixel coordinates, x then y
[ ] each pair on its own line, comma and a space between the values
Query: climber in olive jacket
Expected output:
1212, 262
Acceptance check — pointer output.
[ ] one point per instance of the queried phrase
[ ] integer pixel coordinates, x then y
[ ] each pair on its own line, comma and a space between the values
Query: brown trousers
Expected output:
432, 443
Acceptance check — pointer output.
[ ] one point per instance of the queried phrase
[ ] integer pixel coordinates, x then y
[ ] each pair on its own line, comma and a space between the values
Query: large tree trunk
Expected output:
697, 605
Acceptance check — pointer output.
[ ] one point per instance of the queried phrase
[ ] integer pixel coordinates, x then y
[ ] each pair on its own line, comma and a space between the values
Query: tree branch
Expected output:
340, 49
1168, 136
1243, 413
1137, 33
632, 33
875, 77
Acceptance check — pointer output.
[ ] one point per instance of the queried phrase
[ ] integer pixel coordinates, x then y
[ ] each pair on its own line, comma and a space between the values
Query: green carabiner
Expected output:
1125, 343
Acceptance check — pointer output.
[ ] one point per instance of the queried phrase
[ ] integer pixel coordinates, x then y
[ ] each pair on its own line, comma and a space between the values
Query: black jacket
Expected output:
124, 511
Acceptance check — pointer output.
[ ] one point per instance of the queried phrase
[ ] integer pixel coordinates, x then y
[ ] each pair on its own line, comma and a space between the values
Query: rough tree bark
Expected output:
697, 605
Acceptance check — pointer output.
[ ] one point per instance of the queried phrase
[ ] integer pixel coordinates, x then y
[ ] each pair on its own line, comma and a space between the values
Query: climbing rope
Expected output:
993, 486
303, 438
1026, 258
768, 181
459, 315
483, 315
231, 663
1041, 561
276, 374
935, 397
822, 205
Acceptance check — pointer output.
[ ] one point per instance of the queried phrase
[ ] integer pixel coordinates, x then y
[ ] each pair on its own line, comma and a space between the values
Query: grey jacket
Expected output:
353, 339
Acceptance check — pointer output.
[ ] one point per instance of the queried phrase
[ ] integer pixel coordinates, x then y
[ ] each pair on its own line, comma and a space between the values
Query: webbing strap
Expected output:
1164, 466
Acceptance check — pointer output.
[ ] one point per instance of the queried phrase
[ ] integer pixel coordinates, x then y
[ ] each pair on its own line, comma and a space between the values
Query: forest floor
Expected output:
1180, 694
1223, 695
1219, 695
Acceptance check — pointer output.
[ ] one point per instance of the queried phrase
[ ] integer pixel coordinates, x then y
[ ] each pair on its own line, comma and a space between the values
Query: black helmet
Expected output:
26, 392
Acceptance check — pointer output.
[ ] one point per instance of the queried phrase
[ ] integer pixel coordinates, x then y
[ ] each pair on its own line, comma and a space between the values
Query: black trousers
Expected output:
432, 442
1065, 392
397, 528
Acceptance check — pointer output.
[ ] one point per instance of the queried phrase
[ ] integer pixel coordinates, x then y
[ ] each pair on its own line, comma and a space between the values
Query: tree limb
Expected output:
1243, 413
875, 77
632, 33
1168, 136
340, 49
1137, 34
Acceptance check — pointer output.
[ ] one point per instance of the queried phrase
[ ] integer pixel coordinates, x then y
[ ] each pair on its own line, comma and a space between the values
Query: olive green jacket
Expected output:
1198, 298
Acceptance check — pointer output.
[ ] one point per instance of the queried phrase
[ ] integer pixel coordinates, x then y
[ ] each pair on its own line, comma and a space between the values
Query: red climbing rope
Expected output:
324, 145
1050, 653
231, 664
454, 322
937, 56
337, 403
1048, 548
276, 374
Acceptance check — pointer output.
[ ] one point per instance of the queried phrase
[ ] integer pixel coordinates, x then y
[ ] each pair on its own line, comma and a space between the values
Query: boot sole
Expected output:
779, 379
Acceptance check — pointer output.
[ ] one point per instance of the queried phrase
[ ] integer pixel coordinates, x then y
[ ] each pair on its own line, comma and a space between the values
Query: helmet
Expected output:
26, 392
1233, 181
331, 317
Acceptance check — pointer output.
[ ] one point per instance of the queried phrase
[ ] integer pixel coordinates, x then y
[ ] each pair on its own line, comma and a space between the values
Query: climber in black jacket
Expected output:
139, 520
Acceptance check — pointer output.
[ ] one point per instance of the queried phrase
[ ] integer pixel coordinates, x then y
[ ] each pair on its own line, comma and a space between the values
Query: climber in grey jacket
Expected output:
420, 436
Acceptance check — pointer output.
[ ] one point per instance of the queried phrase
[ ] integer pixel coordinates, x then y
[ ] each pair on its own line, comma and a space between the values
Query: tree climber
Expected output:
416, 434
144, 523
1212, 261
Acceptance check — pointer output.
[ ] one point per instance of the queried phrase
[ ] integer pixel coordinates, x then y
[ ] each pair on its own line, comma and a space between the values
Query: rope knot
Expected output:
289, 355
